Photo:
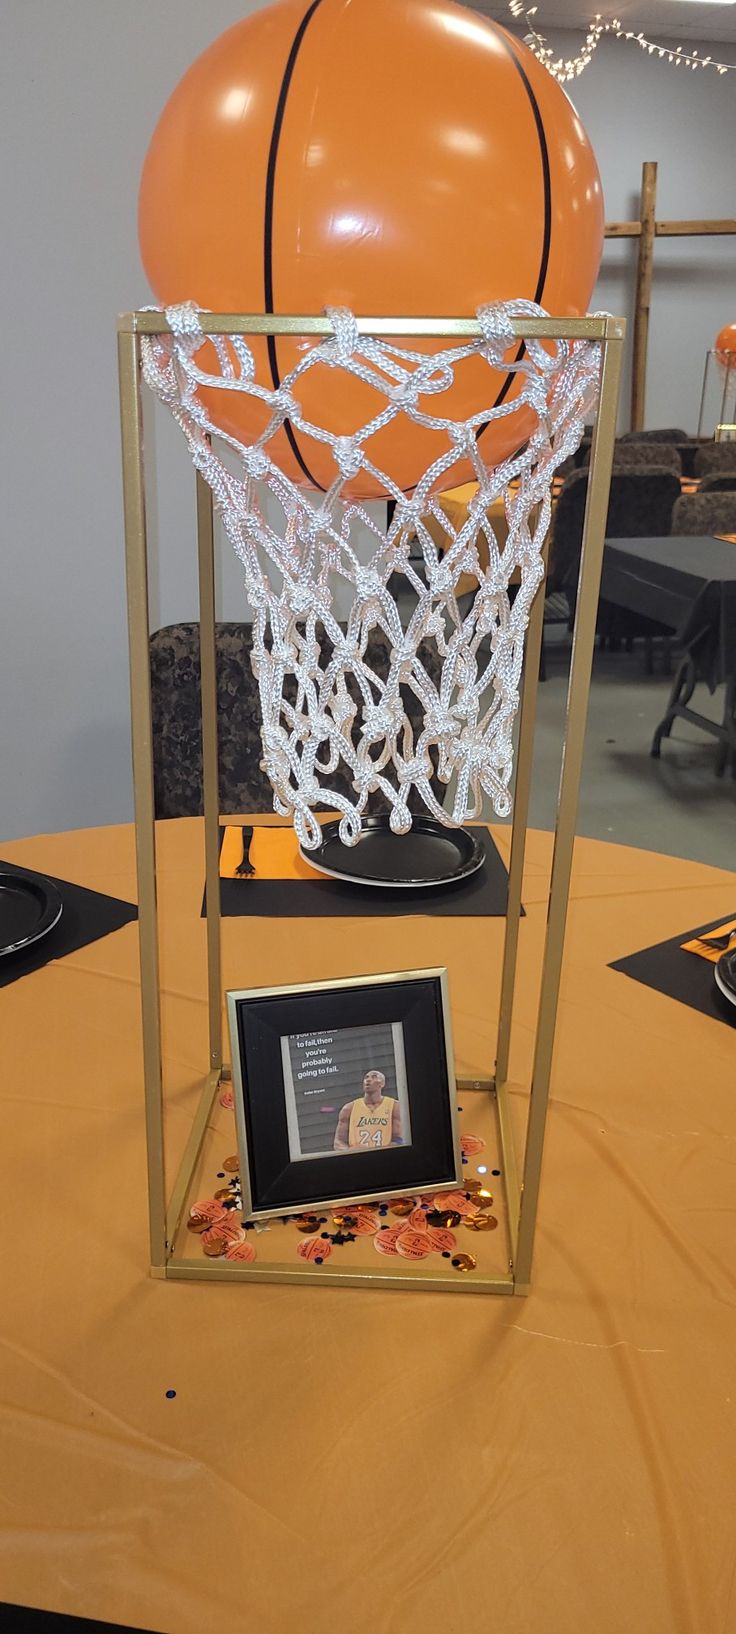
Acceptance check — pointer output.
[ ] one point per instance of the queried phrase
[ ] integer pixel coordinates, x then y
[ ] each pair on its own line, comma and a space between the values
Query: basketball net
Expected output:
294, 565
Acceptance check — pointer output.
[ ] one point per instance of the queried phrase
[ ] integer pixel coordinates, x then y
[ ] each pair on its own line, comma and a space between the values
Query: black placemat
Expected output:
483, 895
27, 1620
682, 976
86, 916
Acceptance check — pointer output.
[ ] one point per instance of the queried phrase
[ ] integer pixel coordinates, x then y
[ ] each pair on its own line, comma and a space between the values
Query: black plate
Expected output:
725, 974
428, 855
30, 906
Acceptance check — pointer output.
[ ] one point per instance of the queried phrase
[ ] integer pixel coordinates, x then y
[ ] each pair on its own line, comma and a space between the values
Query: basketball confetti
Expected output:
423, 1227
313, 1248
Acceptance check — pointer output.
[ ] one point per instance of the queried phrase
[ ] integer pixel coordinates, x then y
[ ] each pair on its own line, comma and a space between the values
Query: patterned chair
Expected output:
640, 506
637, 456
647, 456
177, 730
667, 434
704, 513
714, 457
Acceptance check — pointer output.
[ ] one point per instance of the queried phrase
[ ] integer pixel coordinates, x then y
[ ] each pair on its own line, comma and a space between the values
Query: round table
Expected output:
360, 1459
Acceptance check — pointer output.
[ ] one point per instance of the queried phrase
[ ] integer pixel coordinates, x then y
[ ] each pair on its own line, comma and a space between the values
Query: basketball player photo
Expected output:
372, 1120
346, 1090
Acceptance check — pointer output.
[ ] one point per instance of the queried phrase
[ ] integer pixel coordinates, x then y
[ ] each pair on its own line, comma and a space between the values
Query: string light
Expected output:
567, 68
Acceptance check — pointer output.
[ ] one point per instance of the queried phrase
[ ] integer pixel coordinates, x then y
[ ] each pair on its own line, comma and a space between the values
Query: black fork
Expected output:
245, 868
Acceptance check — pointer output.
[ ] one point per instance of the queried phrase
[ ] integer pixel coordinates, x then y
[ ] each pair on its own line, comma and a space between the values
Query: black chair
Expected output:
640, 506
556, 611
687, 452
177, 728
719, 482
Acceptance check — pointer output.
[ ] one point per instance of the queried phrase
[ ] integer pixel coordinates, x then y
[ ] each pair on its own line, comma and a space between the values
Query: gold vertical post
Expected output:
210, 773
522, 790
591, 562
644, 270
136, 560
724, 399
708, 355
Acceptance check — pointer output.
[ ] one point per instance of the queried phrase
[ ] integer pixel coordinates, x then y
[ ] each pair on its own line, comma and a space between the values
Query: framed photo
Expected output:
344, 1091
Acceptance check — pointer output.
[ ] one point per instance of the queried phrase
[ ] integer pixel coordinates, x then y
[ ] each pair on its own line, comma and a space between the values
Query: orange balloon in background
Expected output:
397, 157
726, 344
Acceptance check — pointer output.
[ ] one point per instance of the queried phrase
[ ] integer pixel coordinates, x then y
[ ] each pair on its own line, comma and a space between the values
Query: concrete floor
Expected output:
675, 804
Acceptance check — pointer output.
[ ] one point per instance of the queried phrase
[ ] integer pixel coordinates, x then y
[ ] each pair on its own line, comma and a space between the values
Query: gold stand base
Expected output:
357, 1264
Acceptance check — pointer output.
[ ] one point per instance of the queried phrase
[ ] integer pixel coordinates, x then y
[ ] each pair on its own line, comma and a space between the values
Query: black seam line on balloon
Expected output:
268, 221
547, 236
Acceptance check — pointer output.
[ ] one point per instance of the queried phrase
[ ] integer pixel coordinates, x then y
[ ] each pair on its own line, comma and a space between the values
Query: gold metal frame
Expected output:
521, 1183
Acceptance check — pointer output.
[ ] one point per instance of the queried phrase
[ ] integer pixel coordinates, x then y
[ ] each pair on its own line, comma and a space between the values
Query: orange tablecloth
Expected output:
367, 1460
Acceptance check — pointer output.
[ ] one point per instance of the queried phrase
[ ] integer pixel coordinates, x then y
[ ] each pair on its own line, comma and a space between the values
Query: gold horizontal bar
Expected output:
259, 323
694, 229
231, 1271
622, 229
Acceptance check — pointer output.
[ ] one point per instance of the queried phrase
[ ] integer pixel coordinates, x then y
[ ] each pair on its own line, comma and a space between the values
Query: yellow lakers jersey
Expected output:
371, 1125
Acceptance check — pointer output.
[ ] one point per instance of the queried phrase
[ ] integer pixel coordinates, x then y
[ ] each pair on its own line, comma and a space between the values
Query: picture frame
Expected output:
344, 1091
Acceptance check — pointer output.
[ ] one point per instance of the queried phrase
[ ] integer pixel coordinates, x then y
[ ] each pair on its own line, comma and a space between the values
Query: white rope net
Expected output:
328, 716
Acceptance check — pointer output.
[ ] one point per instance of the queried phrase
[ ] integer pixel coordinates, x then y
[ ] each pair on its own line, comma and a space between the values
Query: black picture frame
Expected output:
287, 1165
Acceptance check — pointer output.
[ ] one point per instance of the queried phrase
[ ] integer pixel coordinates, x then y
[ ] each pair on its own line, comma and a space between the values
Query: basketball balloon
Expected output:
391, 156
726, 345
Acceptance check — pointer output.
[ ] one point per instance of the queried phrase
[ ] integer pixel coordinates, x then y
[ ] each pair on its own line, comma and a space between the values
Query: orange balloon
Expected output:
726, 344
398, 157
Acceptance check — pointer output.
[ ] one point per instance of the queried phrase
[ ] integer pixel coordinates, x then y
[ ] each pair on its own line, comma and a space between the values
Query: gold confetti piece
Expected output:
464, 1262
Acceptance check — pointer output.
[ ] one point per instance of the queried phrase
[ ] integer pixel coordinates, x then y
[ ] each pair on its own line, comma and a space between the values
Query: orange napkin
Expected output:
712, 954
274, 854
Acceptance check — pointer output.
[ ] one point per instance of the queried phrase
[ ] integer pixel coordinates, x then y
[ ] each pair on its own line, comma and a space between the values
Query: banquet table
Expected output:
687, 582
185, 1456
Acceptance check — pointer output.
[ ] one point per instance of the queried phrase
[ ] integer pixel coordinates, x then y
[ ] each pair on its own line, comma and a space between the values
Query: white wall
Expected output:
81, 86
636, 107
